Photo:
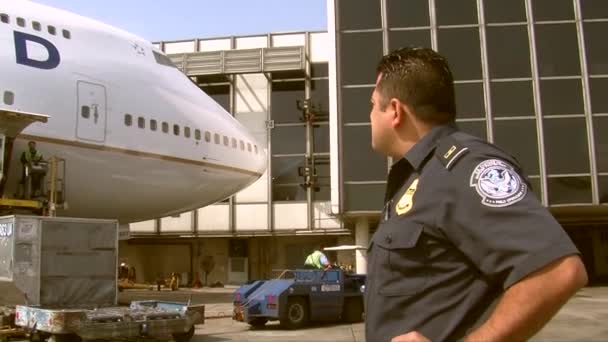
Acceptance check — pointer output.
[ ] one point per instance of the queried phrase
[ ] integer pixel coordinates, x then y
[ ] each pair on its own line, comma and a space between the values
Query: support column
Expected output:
361, 239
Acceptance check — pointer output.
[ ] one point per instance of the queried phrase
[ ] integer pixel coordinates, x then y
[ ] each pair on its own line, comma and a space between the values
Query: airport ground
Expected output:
582, 319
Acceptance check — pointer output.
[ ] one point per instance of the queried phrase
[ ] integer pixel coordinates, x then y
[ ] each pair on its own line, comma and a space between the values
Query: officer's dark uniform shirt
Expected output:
460, 226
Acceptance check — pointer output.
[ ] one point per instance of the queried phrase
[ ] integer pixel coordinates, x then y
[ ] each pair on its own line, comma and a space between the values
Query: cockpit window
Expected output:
162, 59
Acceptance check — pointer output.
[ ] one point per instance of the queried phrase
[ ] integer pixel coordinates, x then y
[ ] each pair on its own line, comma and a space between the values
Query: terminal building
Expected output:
531, 77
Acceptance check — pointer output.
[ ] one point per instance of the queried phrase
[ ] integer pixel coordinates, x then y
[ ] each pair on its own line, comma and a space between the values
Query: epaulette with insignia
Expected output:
449, 151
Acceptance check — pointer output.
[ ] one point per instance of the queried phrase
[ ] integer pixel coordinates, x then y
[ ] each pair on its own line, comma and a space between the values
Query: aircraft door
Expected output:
91, 112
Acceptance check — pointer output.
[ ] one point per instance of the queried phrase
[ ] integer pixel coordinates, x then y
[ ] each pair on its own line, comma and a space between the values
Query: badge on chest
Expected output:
406, 202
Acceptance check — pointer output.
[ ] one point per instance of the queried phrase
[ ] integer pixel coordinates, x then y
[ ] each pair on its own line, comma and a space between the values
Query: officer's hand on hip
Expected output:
412, 336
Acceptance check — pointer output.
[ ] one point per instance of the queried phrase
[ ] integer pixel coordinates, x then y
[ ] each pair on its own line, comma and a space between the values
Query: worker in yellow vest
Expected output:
317, 259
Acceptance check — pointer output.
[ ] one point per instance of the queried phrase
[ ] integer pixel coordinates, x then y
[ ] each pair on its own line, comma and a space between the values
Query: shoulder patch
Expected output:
498, 184
449, 151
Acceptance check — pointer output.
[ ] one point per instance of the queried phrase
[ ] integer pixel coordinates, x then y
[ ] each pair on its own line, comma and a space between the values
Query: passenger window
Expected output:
21, 22
176, 129
165, 127
187, 132
4, 18
128, 120
197, 134
255, 148
234, 143
85, 111
36, 25
141, 122
249, 147
153, 125
66, 34
9, 97
216, 138
242, 146
207, 136
226, 141
52, 30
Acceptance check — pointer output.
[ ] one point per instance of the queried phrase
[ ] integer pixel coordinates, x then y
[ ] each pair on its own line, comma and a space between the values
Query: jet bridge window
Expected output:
141, 122
242, 146
249, 147
153, 125
36, 26
234, 144
187, 132
176, 129
197, 134
255, 148
226, 141
162, 59
128, 120
165, 127
66, 34
21, 22
4, 18
216, 138
52, 30
207, 136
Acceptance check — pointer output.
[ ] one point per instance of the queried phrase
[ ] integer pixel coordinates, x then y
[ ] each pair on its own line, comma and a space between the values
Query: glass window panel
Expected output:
594, 9
408, 13
285, 170
603, 187
219, 93
319, 94
557, 46
469, 100
552, 10
566, 155
600, 128
497, 11
476, 128
561, 97
284, 101
321, 135
508, 51
288, 139
398, 39
598, 89
566, 190
448, 13
360, 162
535, 184
512, 98
153, 124
362, 69
356, 104
363, 15
595, 47
319, 69
364, 197
288, 193
141, 122
518, 138
461, 48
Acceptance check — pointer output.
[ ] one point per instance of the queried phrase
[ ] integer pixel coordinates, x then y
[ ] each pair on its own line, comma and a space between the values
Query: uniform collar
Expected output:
420, 151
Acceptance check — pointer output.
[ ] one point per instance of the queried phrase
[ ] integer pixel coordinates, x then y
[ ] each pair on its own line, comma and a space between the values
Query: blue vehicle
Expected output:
300, 296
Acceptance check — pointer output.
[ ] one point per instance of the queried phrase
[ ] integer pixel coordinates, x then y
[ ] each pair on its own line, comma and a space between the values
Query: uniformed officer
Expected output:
464, 249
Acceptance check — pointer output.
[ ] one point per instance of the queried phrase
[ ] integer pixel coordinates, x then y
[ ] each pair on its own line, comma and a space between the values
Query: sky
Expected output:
156, 20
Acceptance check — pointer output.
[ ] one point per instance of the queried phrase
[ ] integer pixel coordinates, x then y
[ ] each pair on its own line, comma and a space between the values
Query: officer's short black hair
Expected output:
420, 78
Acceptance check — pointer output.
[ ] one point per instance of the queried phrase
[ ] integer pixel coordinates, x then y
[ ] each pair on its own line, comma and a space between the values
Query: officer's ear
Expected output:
400, 111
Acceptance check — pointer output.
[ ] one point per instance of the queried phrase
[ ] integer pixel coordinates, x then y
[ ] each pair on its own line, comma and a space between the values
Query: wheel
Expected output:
296, 313
352, 312
184, 337
258, 322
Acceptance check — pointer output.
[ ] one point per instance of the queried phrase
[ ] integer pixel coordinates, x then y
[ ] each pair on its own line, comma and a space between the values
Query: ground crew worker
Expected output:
29, 158
464, 249
317, 259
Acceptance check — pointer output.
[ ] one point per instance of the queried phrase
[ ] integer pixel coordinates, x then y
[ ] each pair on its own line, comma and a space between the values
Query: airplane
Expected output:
139, 139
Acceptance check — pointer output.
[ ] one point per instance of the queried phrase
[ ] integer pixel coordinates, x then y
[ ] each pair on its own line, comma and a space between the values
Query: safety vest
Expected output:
314, 259
28, 156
